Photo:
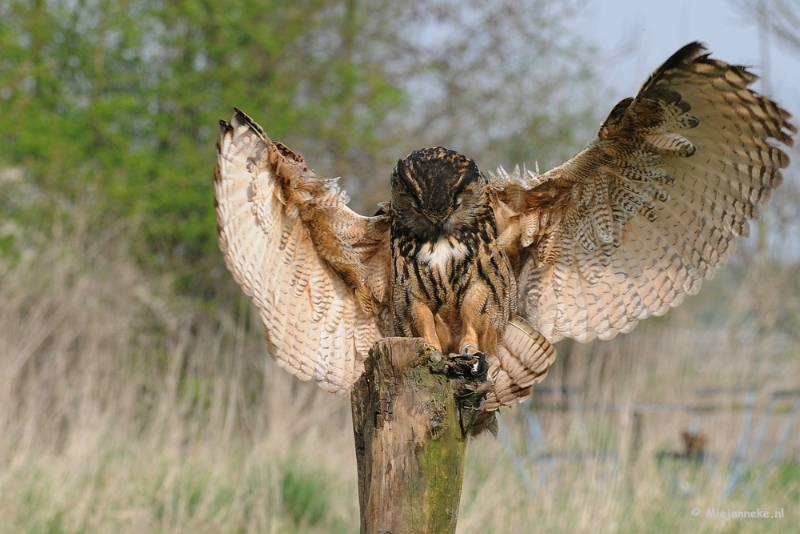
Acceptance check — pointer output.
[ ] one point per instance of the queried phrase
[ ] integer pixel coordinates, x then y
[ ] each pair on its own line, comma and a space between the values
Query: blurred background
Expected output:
135, 390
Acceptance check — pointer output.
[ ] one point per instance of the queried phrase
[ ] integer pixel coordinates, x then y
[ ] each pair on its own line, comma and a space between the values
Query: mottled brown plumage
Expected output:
622, 231
451, 283
633, 223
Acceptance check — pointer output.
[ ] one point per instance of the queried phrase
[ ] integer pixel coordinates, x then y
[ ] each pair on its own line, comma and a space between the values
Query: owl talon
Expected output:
469, 350
467, 366
470, 385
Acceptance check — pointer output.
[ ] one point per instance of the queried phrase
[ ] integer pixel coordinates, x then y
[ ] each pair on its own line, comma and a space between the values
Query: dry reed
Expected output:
127, 408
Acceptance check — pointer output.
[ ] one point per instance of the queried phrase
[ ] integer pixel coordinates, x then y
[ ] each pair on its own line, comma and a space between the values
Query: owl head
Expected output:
436, 189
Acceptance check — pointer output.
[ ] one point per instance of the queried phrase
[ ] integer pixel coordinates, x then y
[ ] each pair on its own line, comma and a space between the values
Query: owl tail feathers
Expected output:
522, 359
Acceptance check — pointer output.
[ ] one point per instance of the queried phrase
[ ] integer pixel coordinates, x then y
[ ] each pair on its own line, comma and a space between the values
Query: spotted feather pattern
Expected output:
316, 271
320, 275
633, 223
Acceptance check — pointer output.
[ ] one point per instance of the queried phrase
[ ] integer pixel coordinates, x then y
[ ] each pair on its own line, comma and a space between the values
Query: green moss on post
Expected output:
409, 445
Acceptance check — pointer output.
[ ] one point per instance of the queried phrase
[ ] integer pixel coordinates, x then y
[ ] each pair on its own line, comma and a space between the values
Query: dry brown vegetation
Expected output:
127, 408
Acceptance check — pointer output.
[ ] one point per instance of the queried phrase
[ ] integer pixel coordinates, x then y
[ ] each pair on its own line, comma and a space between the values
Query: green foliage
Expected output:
122, 96
305, 497
54, 526
117, 101
788, 480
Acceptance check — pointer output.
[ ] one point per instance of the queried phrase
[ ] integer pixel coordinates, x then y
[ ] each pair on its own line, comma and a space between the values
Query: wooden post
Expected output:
410, 447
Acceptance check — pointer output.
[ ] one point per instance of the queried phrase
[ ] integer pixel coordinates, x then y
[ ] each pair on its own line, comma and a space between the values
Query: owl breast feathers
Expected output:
621, 231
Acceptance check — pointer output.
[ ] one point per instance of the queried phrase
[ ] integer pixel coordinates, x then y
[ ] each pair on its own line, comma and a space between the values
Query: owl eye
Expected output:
415, 206
459, 201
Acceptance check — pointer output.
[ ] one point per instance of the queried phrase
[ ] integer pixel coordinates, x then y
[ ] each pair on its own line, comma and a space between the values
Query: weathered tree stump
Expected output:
410, 446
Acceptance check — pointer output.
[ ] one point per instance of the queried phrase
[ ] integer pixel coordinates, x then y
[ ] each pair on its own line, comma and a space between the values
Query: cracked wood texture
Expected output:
409, 445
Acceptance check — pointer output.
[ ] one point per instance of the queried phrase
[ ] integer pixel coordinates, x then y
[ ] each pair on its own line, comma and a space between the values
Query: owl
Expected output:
507, 264
451, 282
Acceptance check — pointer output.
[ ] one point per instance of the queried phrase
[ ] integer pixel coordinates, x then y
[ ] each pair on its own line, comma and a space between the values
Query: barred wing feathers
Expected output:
317, 271
633, 223
523, 359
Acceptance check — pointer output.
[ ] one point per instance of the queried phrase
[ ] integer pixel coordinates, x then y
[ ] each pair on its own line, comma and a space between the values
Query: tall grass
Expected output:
124, 408
127, 408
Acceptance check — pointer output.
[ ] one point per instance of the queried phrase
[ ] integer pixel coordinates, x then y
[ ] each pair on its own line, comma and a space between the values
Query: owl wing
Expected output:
633, 223
317, 271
